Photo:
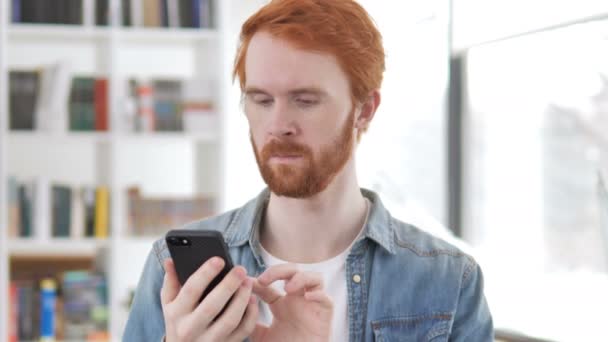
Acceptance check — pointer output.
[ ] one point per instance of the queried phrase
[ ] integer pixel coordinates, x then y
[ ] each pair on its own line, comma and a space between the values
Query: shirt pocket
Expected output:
433, 327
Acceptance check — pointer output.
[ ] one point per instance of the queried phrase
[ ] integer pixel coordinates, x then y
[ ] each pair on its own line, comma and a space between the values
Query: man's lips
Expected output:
284, 157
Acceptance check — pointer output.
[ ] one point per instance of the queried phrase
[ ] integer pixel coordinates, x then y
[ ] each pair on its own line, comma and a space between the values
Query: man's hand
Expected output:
187, 320
304, 313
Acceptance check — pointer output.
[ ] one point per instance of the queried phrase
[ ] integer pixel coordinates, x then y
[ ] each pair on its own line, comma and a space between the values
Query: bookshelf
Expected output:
163, 164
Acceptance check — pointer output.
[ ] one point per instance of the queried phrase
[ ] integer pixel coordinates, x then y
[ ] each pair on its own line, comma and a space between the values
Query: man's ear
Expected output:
368, 110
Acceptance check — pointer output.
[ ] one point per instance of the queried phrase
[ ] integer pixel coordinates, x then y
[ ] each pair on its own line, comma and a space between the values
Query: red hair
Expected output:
339, 27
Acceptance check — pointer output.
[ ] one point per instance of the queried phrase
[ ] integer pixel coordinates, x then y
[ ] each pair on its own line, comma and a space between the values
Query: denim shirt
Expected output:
403, 284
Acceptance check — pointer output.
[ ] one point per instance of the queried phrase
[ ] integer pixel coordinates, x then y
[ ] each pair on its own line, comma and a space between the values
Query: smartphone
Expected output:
192, 248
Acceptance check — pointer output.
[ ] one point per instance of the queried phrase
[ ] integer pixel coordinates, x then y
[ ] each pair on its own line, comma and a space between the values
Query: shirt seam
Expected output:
472, 265
232, 225
431, 253
157, 252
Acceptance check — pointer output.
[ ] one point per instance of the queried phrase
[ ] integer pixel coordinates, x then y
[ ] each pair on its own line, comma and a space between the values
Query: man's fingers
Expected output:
171, 284
215, 301
247, 325
230, 319
302, 281
278, 272
320, 297
259, 333
193, 289
265, 292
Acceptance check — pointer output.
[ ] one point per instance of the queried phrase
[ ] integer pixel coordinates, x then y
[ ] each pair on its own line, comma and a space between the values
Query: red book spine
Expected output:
13, 313
101, 104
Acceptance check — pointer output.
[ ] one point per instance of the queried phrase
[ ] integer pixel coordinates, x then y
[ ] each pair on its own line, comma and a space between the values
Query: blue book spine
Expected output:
196, 13
48, 294
16, 11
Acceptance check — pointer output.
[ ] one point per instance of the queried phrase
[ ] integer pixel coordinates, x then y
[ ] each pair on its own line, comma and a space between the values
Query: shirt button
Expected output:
357, 278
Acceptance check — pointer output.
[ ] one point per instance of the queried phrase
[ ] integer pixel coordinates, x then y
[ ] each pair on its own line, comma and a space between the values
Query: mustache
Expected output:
277, 147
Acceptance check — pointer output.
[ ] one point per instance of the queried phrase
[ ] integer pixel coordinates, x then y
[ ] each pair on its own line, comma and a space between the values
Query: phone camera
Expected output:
179, 241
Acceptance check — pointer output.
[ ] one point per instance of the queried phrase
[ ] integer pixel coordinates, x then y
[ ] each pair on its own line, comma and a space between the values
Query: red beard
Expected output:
314, 174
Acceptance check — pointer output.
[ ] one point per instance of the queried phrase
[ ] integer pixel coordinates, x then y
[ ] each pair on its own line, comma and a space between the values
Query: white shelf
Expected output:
58, 32
168, 136
46, 137
166, 35
156, 35
16, 137
63, 247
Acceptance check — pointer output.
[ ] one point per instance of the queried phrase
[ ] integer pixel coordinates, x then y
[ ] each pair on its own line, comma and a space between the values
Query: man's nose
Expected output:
282, 123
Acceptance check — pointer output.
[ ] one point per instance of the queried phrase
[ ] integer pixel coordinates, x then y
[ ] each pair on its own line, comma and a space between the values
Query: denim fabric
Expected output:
410, 286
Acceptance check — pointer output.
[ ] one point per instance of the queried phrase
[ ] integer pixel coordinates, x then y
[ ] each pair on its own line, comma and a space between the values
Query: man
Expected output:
320, 259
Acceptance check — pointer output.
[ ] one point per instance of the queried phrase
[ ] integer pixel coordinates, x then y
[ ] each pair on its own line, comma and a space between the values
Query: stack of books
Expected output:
45, 210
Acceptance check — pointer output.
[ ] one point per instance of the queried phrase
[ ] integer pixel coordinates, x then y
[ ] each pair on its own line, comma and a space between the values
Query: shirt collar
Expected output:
244, 226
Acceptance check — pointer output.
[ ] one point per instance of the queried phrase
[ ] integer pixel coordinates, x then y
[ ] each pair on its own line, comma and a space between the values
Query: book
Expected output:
16, 11
196, 13
102, 209
26, 209
145, 108
47, 12
23, 95
52, 104
124, 121
48, 296
173, 13
13, 313
88, 198
60, 304
77, 221
199, 114
101, 104
27, 297
137, 13
61, 210
74, 12
14, 220
167, 105
84, 303
154, 216
206, 14
82, 104
164, 13
151, 13
45, 97
185, 14
126, 13
89, 13
101, 12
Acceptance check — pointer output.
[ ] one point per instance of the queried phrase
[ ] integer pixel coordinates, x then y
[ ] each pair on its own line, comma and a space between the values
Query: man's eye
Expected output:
306, 102
263, 101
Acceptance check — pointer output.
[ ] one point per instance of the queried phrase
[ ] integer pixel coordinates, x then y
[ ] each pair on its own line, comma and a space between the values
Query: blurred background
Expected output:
119, 121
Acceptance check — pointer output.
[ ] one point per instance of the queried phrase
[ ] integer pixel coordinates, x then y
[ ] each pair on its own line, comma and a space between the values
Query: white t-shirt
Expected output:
333, 272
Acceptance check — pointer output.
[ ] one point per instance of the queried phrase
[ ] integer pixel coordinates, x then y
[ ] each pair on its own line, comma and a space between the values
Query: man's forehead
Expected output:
276, 66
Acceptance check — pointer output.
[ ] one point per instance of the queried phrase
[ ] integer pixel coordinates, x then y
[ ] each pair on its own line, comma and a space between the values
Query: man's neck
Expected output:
318, 228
